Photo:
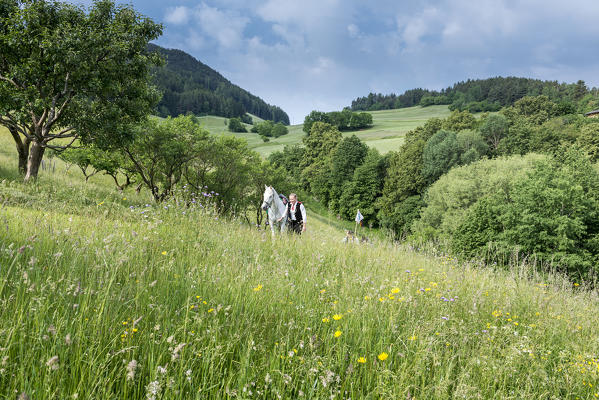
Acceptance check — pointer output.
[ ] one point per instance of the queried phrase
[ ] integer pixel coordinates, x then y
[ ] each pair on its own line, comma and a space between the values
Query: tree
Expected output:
345, 158
161, 151
235, 125
290, 158
460, 120
494, 128
68, 75
279, 130
441, 152
316, 164
314, 116
589, 140
364, 188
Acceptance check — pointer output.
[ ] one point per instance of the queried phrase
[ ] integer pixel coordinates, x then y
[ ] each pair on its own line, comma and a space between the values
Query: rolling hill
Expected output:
386, 134
189, 86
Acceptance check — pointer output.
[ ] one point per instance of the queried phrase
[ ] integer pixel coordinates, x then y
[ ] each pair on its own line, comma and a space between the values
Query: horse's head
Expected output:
268, 197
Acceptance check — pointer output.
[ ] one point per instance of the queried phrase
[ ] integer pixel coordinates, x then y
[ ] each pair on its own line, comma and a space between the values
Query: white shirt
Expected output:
291, 207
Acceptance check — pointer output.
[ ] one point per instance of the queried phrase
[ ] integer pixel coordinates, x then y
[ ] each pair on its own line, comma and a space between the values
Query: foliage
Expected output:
588, 140
552, 215
449, 199
289, 158
477, 95
440, 153
343, 120
362, 191
191, 86
345, 158
460, 120
235, 125
66, 74
494, 128
161, 150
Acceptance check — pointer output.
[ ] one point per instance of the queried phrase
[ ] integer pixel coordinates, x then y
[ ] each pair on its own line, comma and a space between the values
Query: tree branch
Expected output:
3, 78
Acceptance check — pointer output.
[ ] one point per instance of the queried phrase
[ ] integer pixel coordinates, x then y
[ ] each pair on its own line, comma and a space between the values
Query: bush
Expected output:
235, 125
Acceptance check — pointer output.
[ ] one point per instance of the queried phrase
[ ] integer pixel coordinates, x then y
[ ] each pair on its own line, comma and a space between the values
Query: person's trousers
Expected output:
295, 226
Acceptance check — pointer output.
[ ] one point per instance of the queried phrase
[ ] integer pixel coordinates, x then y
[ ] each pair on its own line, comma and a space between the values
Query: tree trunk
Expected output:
36, 154
22, 149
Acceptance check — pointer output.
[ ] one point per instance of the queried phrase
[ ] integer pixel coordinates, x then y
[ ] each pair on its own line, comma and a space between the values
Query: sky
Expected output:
305, 55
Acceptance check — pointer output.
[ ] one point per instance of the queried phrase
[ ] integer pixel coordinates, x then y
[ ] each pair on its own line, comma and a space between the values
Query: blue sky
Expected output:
321, 54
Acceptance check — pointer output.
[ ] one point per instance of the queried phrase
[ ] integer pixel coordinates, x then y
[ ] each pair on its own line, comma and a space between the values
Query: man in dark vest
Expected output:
296, 215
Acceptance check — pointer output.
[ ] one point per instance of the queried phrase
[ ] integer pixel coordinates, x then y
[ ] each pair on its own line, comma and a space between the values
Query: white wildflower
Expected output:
131, 367
68, 340
153, 390
176, 351
161, 370
52, 363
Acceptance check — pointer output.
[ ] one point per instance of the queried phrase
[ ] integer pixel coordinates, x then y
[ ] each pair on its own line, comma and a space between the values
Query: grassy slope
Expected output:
223, 311
386, 134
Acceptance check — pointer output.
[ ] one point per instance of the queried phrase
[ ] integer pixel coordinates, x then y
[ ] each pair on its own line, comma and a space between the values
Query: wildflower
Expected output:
131, 367
153, 390
361, 360
383, 356
176, 350
52, 363
161, 370
395, 290
323, 290
337, 334
164, 253
68, 340
413, 337
325, 320
337, 317
258, 288
210, 310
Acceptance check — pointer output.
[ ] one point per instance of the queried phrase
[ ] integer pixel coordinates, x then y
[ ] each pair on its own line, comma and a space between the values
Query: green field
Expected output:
106, 295
386, 134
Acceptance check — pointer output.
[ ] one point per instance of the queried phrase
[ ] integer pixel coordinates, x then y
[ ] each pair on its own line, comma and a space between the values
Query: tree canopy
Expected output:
68, 74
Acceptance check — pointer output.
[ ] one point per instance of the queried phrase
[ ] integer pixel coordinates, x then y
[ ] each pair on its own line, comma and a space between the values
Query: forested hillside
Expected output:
191, 86
477, 95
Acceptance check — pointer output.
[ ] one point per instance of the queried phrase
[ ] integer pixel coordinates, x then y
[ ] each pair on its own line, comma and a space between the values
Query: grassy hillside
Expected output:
385, 135
105, 296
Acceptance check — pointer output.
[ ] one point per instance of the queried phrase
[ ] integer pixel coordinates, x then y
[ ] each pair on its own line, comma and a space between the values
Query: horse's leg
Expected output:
272, 227
284, 225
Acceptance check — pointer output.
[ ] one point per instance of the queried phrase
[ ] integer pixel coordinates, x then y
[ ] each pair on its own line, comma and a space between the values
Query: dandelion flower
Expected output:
258, 288
395, 290
383, 356
362, 360
337, 334
337, 317
325, 320
164, 253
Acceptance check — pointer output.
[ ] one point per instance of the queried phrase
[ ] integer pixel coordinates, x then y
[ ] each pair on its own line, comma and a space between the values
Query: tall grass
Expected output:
172, 302
103, 296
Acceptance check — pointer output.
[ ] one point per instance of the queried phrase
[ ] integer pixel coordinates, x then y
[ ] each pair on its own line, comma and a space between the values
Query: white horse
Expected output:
275, 209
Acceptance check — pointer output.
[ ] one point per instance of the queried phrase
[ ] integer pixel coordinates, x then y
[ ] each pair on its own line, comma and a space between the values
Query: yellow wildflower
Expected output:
362, 360
164, 253
258, 288
383, 356
337, 317
337, 334
325, 320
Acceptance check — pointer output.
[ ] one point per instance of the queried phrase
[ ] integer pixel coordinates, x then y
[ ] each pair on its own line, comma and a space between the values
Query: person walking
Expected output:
296, 215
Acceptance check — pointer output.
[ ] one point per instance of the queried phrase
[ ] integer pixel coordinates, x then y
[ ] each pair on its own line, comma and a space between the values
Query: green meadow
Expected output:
385, 135
104, 295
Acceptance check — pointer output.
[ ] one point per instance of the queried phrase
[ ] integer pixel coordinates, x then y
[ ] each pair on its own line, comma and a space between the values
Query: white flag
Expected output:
359, 217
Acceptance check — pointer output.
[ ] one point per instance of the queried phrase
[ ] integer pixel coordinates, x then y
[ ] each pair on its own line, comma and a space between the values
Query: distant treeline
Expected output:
477, 95
345, 120
190, 86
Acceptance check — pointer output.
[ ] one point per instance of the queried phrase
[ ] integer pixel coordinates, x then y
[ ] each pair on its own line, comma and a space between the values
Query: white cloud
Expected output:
226, 27
177, 15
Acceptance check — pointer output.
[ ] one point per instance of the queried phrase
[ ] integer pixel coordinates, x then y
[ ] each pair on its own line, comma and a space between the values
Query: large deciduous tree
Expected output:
66, 74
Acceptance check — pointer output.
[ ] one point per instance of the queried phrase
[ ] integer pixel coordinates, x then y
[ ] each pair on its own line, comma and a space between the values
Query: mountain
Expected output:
477, 94
188, 85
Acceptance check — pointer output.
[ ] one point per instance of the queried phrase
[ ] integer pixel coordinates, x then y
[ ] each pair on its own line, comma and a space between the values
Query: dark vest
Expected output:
298, 212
